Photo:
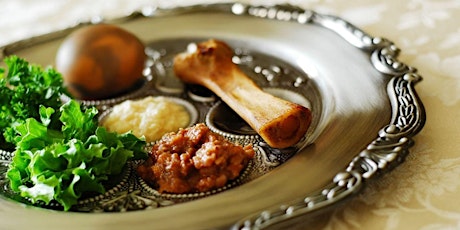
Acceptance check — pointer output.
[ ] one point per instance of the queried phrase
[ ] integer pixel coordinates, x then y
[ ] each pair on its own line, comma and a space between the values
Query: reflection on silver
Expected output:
385, 152
128, 192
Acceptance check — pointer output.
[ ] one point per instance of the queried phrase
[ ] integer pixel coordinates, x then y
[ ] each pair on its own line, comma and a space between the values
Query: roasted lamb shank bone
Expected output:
279, 122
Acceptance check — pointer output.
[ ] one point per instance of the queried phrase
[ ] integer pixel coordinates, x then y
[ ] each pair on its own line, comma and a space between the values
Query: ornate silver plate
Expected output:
364, 105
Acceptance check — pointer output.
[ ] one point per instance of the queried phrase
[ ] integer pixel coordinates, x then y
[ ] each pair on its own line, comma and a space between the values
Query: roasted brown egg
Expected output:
101, 61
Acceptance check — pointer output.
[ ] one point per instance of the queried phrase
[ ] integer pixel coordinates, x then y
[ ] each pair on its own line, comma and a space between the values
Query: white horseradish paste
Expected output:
151, 117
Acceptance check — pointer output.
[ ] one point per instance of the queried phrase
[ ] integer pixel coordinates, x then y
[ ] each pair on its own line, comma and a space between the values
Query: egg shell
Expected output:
100, 62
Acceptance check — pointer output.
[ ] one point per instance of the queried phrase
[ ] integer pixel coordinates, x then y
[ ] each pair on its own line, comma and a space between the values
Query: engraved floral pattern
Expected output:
423, 192
393, 197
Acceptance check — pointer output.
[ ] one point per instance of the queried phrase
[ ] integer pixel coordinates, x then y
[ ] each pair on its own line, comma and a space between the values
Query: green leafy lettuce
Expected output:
60, 152
65, 164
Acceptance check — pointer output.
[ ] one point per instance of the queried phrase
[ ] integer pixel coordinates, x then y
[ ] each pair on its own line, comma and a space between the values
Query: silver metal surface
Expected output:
365, 107
385, 152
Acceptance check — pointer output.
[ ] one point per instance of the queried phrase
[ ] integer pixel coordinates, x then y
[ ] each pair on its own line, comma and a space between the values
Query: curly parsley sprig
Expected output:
23, 88
60, 152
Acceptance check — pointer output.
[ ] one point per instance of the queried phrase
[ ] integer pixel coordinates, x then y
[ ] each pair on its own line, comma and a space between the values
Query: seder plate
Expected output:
365, 113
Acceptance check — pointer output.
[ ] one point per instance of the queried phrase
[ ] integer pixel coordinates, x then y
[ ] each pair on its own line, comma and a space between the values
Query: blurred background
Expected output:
423, 193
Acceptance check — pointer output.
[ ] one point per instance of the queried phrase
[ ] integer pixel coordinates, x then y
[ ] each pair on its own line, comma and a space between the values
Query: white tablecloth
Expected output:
422, 193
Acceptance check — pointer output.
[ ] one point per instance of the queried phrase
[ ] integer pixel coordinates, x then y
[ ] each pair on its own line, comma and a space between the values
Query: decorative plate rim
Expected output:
385, 152
391, 146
